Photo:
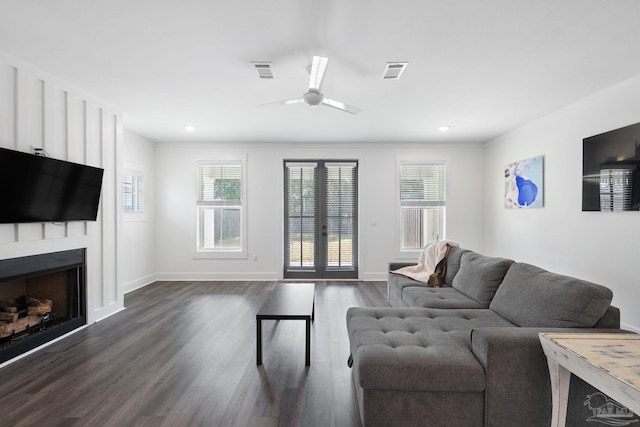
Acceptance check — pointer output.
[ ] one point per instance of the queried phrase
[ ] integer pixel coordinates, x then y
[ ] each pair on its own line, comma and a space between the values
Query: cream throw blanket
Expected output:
432, 254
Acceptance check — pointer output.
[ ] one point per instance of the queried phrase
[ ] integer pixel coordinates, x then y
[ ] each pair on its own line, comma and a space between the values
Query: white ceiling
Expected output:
481, 66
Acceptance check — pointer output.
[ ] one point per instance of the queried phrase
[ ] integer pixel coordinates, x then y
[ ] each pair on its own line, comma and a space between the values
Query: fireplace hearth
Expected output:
42, 297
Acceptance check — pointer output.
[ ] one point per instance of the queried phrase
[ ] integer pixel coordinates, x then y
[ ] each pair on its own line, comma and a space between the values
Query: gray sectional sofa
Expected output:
468, 353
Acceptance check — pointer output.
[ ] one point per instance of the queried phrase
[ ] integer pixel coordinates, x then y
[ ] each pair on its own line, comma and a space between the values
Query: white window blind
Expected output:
422, 185
220, 183
341, 211
422, 204
300, 188
133, 192
220, 207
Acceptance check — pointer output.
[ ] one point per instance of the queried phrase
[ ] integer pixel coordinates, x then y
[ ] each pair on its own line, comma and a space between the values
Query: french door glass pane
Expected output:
340, 206
301, 193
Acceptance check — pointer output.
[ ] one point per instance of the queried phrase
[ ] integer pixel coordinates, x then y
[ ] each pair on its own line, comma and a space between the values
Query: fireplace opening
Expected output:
42, 297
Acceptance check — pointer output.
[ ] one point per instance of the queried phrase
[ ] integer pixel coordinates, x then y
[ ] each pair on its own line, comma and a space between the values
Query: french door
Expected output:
321, 219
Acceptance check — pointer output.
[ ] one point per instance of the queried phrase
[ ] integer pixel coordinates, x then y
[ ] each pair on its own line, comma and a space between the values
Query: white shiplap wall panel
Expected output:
76, 142
55, 139
56, 123
93, 157
33, 127
109, 122
40, 110
7, 130
7, 105
29, 133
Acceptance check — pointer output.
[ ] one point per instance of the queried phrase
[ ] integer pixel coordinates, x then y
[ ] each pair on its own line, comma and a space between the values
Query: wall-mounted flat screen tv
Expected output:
42, 189
611, 170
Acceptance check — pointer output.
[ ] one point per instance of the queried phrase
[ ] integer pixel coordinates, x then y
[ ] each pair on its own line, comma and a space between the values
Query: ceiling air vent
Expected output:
264, 69
393, 70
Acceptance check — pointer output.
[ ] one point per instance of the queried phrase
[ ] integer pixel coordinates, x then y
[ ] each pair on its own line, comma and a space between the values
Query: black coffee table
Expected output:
288, 301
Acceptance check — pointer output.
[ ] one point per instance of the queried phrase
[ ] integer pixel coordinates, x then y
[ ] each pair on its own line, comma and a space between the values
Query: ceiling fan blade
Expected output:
341, 106
318, 68
287, 102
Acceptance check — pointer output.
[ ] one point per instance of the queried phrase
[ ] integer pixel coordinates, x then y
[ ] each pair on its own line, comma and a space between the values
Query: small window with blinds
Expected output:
220, 207
133, 192
422, 204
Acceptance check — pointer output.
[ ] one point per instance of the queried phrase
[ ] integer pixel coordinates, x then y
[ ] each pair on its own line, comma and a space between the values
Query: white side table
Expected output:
609, 362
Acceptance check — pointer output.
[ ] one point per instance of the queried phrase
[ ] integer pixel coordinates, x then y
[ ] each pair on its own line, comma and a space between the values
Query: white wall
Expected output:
176, 211
38, 110
600, 247
139, 229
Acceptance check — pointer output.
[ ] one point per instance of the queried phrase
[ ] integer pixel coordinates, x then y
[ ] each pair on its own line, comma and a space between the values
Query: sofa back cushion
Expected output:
532, 297
480, 276
454, 257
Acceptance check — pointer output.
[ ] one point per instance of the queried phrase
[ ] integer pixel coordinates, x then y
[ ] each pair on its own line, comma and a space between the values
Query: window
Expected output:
422, 204
220, 207
133, 192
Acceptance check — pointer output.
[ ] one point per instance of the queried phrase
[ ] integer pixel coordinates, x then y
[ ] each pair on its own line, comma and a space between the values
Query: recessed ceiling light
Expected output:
444, 128
189, 128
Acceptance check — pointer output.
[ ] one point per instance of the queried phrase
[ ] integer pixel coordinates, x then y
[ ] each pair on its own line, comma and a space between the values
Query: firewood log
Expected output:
43, 309
8, 306
8, 317
8, 329
39, 302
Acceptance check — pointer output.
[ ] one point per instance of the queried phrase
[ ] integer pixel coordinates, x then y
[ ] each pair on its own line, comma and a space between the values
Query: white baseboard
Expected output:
231, 277
628, 327
373, 277
47, 344
139, 283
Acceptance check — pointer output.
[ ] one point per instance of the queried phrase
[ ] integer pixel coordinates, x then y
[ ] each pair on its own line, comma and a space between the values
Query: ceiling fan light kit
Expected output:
314, 97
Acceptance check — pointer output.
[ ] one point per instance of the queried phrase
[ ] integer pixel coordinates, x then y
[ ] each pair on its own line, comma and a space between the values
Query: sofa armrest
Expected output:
517, 384
610, 318
394, 265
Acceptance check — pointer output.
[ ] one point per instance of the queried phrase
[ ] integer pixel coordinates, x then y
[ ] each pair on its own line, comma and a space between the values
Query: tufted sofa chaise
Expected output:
468, 354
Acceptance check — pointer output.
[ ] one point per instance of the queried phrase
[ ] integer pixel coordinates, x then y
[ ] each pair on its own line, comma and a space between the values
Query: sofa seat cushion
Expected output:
397, 282
417, 348
395, 285
443, 297
480, 276
532, 297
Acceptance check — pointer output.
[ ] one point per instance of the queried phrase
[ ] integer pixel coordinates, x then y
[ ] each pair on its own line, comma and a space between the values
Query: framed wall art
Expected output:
524, 184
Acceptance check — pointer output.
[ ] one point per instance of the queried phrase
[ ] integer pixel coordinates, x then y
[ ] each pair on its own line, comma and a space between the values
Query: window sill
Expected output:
134, 217
220, 255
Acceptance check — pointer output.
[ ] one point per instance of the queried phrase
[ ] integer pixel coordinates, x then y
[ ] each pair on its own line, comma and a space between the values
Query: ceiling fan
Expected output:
313, 97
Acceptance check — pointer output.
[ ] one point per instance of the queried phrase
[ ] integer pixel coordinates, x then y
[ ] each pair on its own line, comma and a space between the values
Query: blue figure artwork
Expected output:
524, 183
527, 191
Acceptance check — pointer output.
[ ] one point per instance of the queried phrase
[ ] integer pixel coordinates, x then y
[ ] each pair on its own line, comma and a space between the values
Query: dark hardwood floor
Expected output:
184, 354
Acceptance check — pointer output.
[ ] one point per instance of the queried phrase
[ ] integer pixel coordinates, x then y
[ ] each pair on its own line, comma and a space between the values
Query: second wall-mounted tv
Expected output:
35, 188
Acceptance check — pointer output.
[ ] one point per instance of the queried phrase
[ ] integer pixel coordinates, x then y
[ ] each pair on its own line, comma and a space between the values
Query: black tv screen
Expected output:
41, 189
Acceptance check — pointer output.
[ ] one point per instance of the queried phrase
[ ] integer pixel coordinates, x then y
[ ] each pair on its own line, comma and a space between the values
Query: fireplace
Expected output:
42, 297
